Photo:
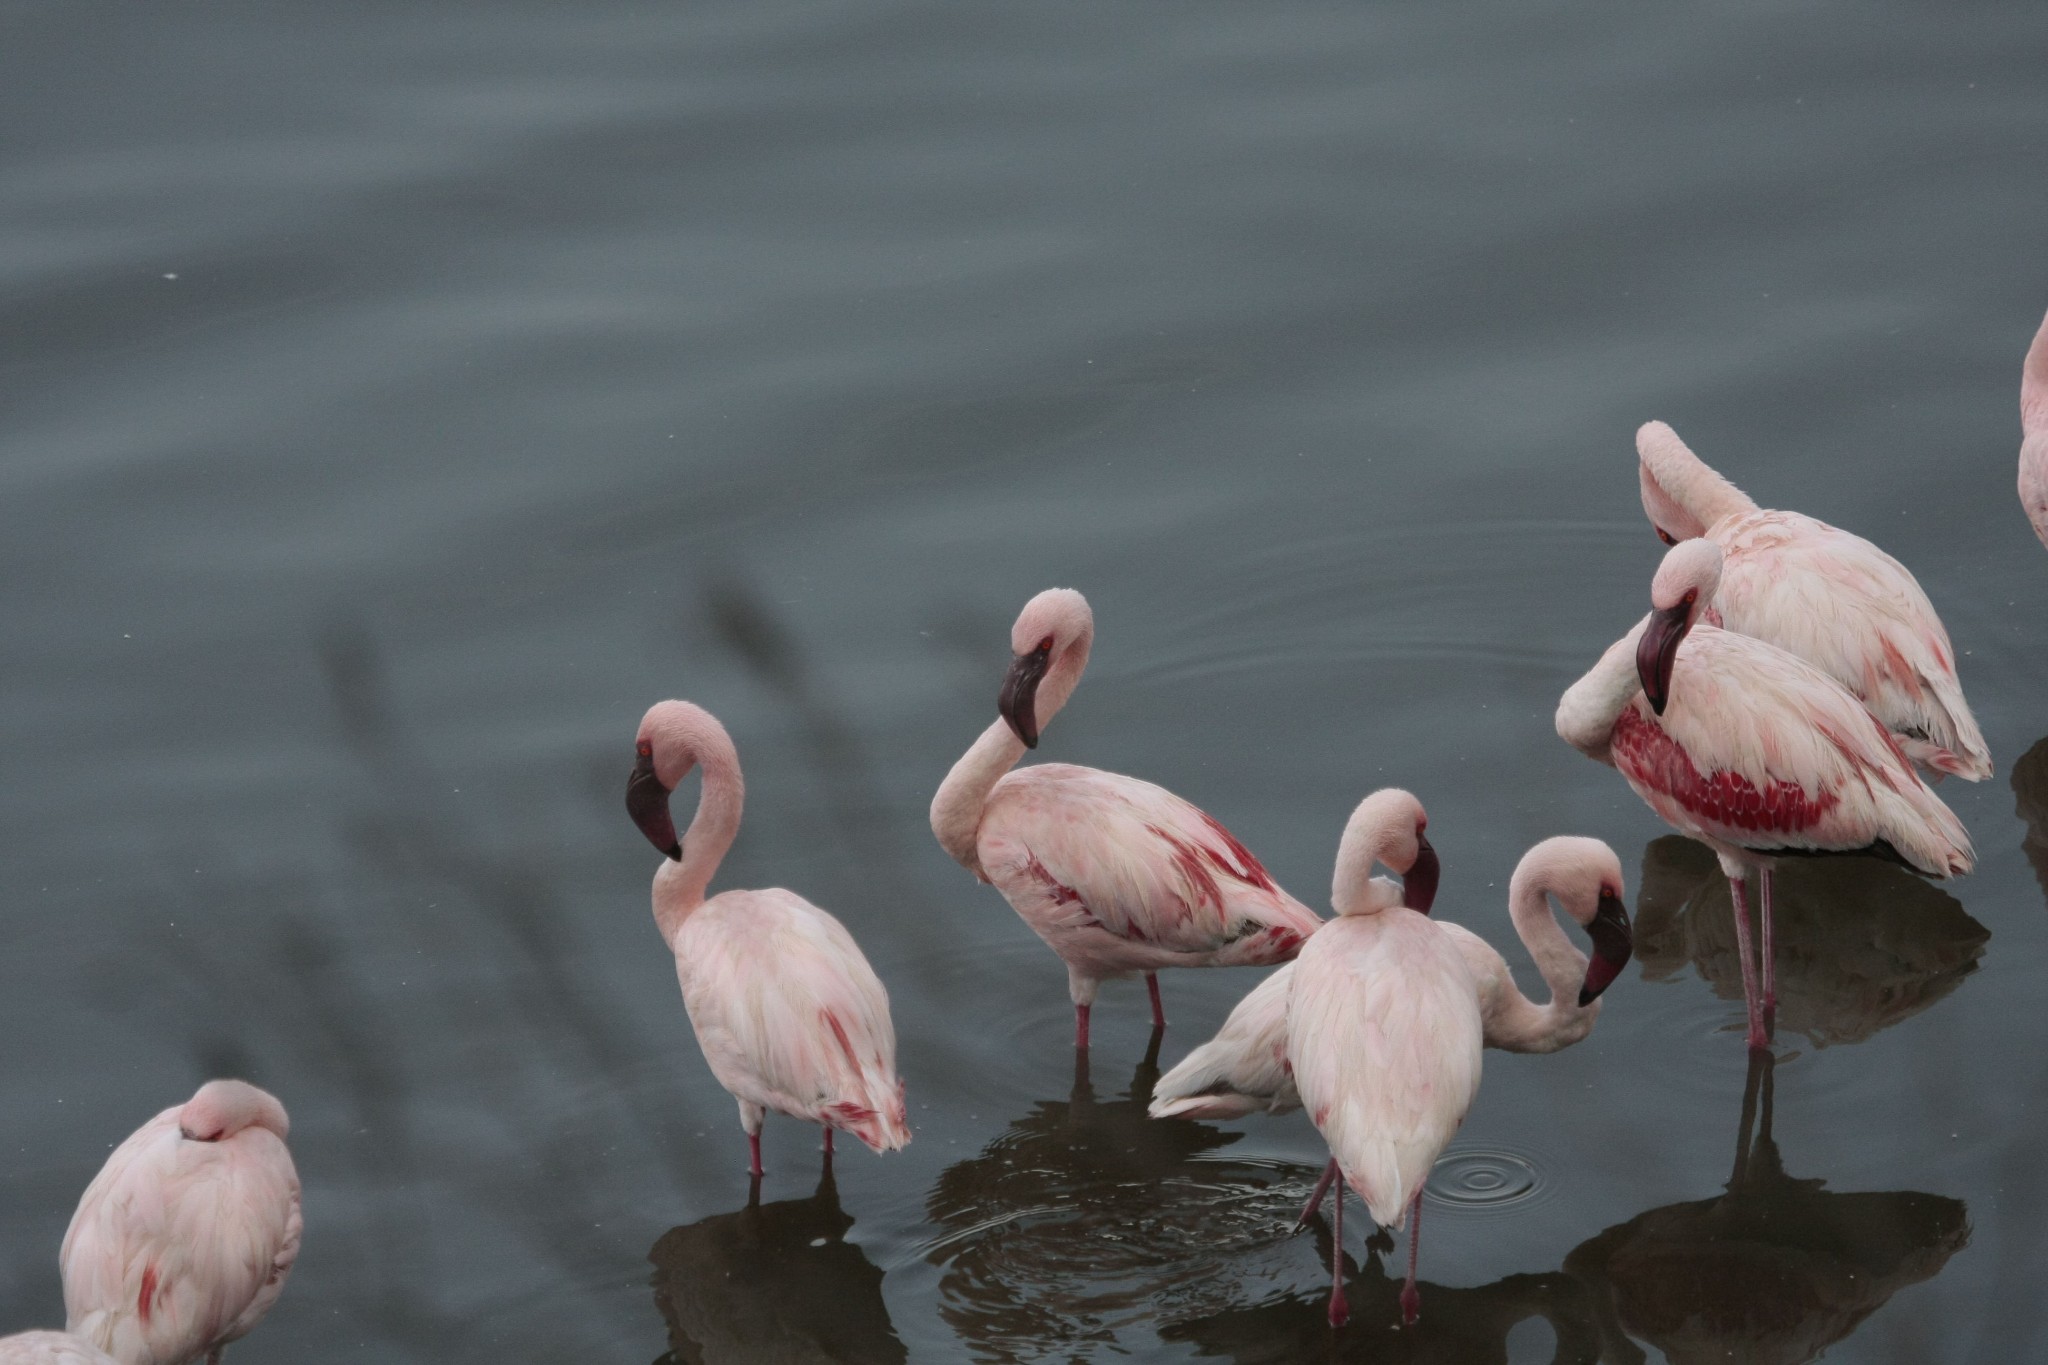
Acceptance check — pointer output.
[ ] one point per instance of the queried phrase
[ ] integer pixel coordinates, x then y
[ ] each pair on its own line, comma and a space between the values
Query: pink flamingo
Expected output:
1116, 875
2034, 425
51, 1348
1243, 1069
1754, 752
1830, 597
183, 1240
789, 1014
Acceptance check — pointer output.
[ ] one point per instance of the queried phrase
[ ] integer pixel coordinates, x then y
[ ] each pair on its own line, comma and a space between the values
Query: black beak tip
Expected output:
674, 852
1657, 704
1586, 997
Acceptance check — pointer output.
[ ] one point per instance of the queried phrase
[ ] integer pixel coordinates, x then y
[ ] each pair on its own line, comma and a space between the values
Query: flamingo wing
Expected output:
790, 1015
1243, 1069
1384, 1032
1845, 606
1760, 749
50, 1348
1140, 863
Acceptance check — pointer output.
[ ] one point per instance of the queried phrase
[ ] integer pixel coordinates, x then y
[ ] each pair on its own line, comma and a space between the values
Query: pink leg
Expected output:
754, 1150
1743, 949
1315, 1201
1158, 1010
828, 1142
1081, 1026
1769, 966
1411, 1298
1340, 1311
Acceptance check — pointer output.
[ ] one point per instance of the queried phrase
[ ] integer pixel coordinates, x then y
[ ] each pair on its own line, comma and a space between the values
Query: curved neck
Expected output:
2034, 385
957, 806
679, 885
1062, 678
1519, 1023
1587, 711
1690, 482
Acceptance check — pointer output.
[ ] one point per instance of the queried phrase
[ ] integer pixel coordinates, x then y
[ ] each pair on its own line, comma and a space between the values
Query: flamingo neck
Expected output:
1519, 1023
1692, 483
957, 807
2034, 386
1589, 708
679, 885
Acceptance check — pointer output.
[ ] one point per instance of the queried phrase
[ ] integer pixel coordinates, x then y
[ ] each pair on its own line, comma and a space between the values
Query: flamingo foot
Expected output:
1340, 1311
1158, 1010
1315, 1200
1081, 1027
1411, 1304
754, 1152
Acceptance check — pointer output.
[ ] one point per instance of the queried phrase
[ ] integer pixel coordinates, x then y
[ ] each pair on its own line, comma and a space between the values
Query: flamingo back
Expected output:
1074, 847
1383, 1028
180, 1246
1243, 1069
790, 1015
1760, 750
1845, 606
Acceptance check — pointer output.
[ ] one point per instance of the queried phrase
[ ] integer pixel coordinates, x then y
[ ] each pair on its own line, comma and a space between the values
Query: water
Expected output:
398, 400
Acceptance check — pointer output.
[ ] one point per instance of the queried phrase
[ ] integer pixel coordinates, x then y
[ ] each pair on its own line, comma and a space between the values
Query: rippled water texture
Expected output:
398, 398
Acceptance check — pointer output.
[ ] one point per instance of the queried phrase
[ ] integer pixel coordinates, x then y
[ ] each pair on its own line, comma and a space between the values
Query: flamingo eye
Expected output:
1692, 595
645, 748
1046, 644
1666, 536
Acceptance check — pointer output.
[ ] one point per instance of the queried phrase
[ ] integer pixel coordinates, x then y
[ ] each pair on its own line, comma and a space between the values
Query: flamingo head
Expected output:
1051, 639
1388, 827
1683, 588
1585, 876
222, 1109
673, 738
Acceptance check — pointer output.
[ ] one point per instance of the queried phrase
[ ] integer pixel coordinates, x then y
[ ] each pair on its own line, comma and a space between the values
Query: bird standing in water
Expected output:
788, 1012
1116, 875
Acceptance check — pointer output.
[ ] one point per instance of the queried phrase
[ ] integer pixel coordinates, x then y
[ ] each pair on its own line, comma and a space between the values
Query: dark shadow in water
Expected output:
1457, 1326
2030, 794
1773, 1272
1087, 1217
1861, 944
772, 1282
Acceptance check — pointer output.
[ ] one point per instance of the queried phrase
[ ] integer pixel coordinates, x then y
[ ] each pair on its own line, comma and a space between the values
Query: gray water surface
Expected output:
396, 399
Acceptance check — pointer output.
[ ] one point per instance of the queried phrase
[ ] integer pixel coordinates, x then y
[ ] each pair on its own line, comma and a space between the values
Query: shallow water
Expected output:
398, 400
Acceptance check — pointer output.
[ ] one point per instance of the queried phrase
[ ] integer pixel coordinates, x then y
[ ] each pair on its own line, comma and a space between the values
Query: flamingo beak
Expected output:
647, 803
1613, 944
1018, 701
1658, 649
1418, 883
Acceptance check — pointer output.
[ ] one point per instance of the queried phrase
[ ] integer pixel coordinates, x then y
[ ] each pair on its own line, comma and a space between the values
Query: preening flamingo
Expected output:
2034, 429
1832, 598
1243, 1069
183, 1240
790, 1016
1116, 875
1754, 752
51, 1348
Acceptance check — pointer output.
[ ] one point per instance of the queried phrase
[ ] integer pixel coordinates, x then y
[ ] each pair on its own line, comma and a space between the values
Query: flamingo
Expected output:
51, 1348
2034, 423
1243, 1069
1832, 598
183, 1240
1753, 751
789, 1014
1116, 875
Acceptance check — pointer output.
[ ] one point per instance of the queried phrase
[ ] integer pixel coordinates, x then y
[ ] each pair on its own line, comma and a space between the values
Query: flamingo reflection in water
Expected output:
2030, 794
770, 1283
1861, 944
1773, 1272
1086, 1221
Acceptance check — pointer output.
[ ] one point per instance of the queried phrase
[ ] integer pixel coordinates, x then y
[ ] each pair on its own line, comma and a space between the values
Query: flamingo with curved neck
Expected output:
1830, 597
1753, 751
789, 1014
1118, 876
2034, 426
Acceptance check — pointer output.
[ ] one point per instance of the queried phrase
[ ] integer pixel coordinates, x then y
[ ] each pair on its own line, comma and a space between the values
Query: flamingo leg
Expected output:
754, 1154
1751, 992
1315, 1201
1081, 1026
1158, 1010
828, 1145
1411, 1298
1768, 965
1340, 1311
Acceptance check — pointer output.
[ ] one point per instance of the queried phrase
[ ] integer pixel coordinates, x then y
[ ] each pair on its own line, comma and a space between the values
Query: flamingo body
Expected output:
50, 1348
184, 1239
1384, 1031
2034, 425
790, 1015
1826, 595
